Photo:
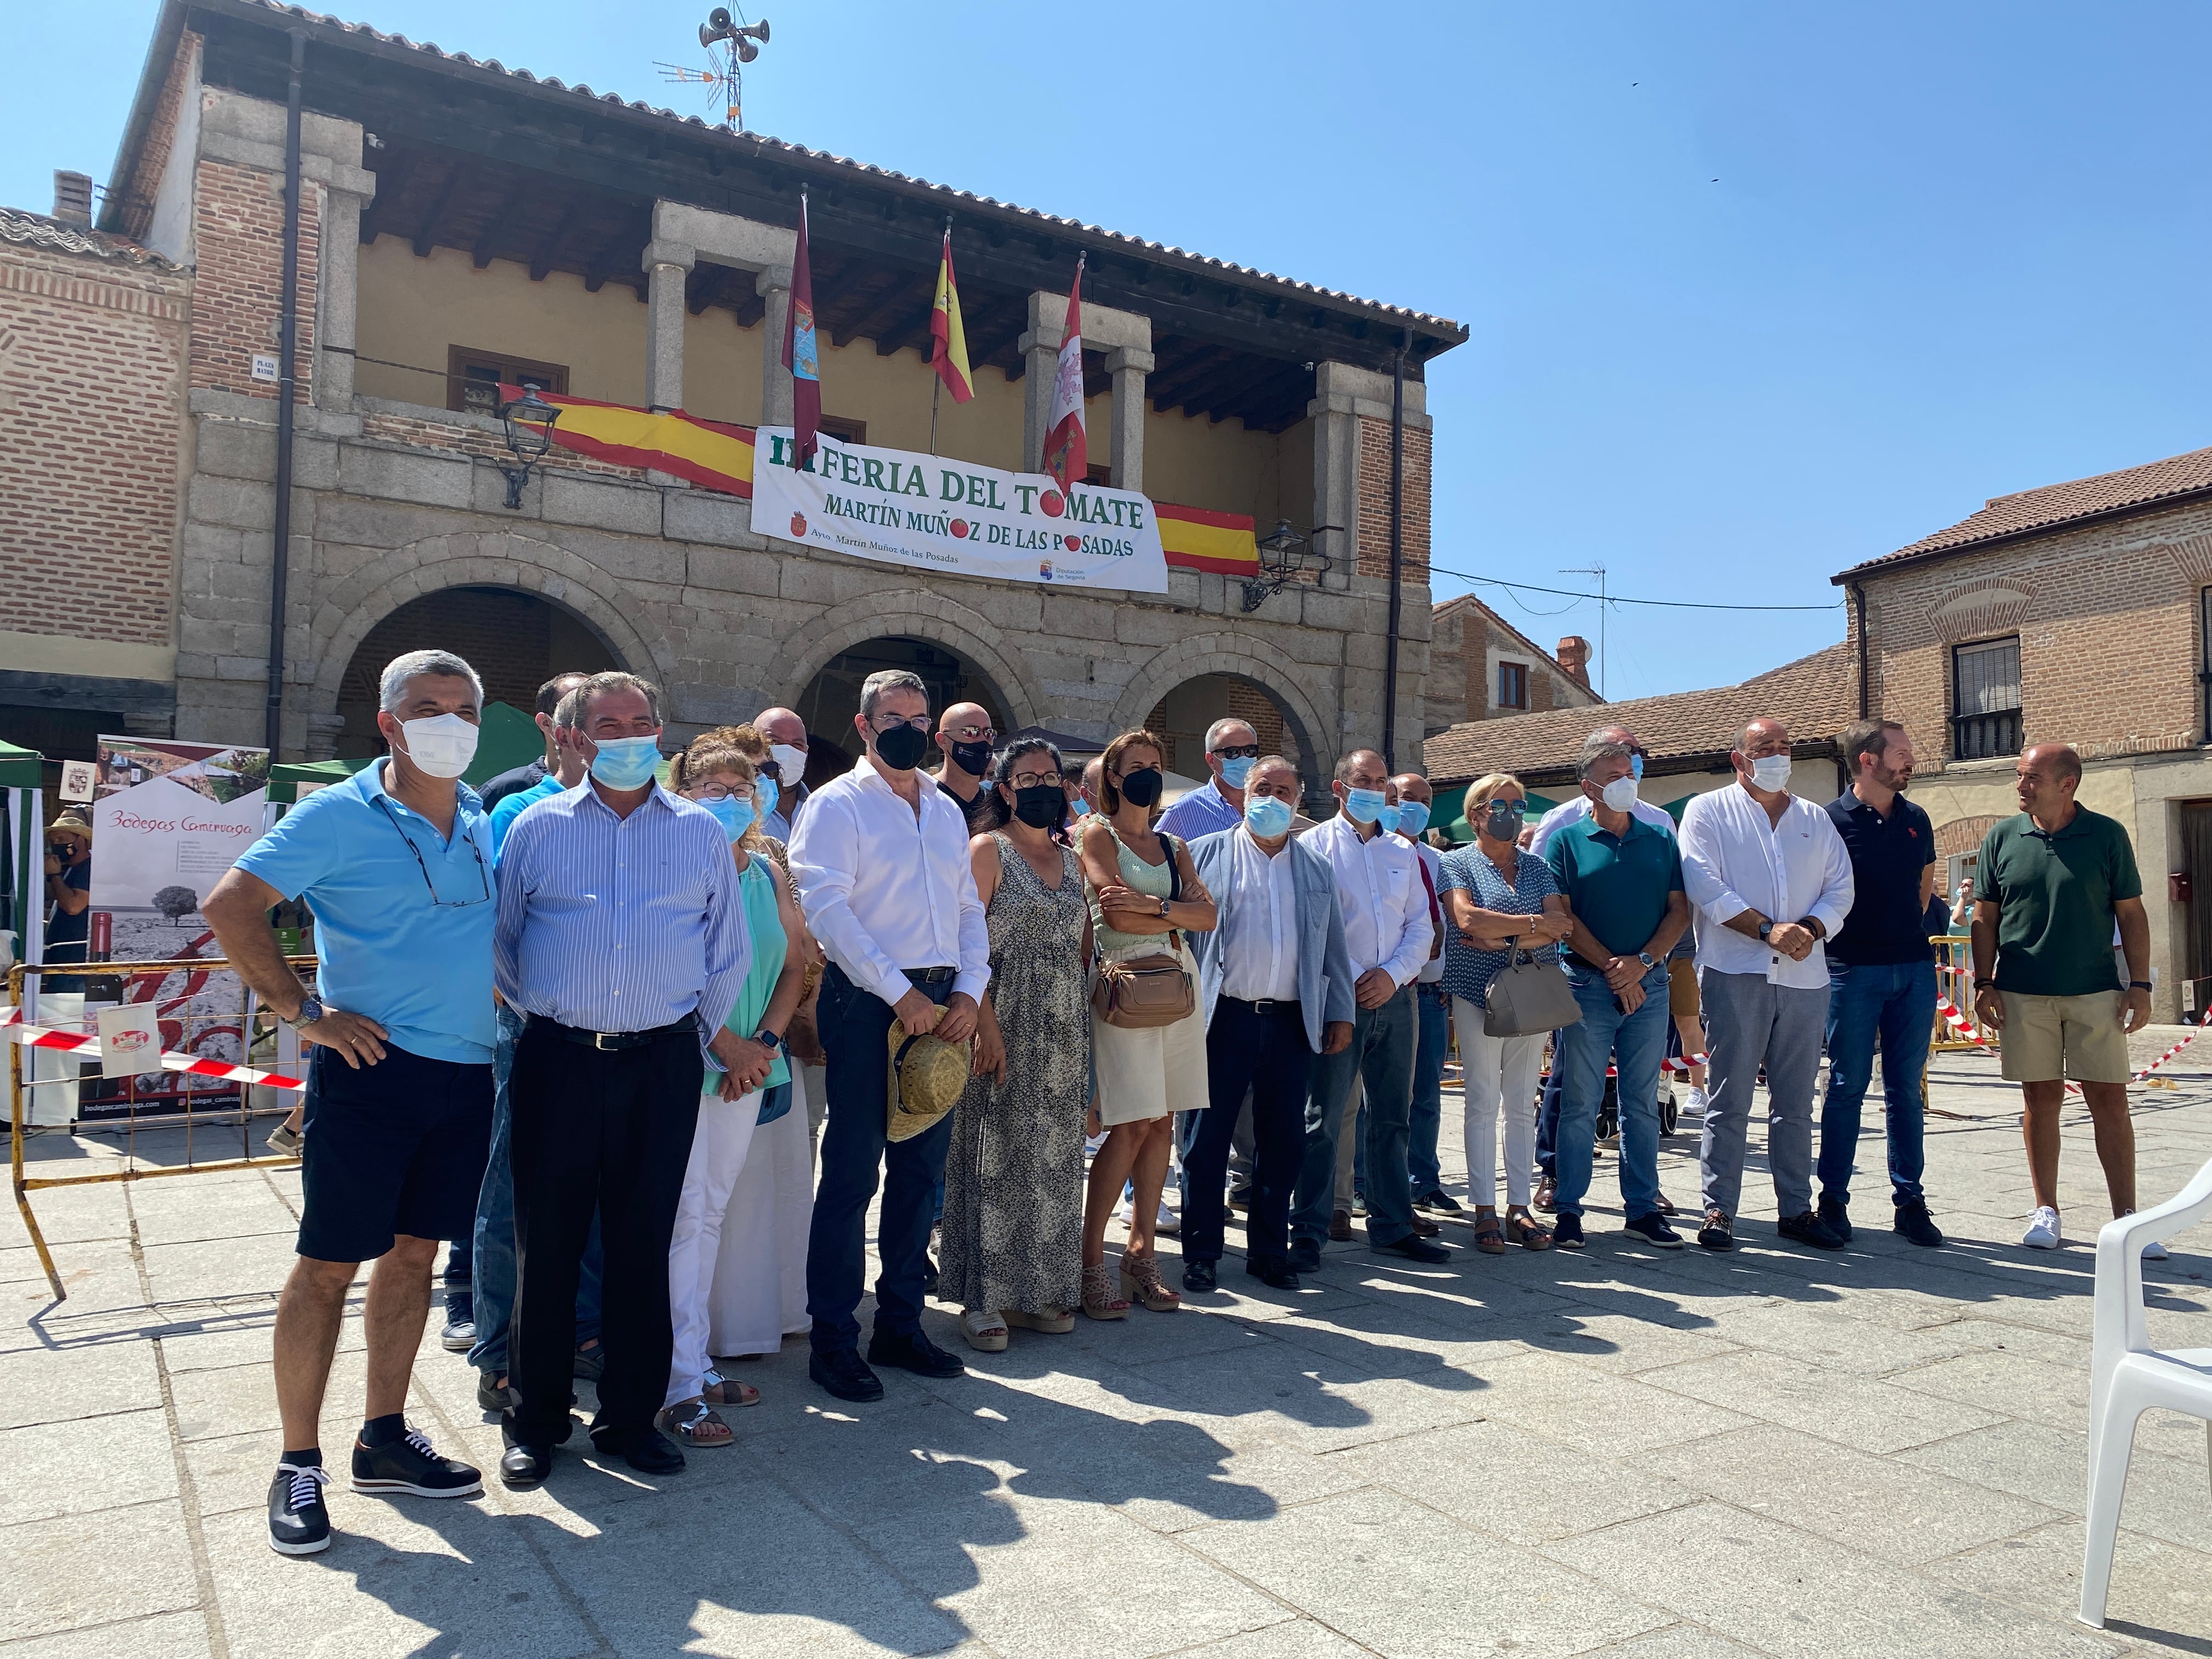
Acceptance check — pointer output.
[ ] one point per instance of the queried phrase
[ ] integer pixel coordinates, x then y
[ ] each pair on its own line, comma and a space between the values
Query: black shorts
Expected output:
395, 1148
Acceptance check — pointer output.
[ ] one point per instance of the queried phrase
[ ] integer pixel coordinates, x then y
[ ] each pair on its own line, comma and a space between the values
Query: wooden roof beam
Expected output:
426, 232
499, 224
541, 262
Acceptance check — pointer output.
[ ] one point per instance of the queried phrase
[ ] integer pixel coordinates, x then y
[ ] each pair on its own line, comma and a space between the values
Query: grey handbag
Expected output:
1528, 997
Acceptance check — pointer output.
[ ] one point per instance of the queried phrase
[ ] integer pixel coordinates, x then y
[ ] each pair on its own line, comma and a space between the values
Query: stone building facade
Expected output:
649, 260
1481, 667
2079, 613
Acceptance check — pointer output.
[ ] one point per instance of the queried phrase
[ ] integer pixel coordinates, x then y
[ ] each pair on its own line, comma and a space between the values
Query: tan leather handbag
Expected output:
1142, 991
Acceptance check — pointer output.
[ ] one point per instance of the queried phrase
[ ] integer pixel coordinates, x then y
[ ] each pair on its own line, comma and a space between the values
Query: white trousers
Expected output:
1498, 1071
719, 1145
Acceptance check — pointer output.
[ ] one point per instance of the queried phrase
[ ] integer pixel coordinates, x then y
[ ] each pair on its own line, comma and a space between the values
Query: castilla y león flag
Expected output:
1067, 454
801, 355
948, 352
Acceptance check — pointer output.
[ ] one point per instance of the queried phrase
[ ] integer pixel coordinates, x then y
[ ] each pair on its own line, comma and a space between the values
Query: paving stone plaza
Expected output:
1671, 1456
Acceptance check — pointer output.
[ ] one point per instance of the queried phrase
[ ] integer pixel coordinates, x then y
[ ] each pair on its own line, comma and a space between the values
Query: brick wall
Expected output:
1462, 678
1374, 526
238, 231
136, 215
418, 433
2107, 620
91, 359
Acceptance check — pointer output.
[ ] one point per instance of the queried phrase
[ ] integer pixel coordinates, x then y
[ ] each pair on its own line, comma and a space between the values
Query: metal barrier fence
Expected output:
208, 1094
1955, 986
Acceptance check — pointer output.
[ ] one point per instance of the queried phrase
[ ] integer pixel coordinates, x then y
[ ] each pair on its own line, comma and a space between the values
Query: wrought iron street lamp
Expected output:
1285, 555
529, 420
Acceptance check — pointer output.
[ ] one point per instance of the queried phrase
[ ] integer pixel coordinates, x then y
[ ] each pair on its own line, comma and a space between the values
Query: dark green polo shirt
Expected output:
2055, 895
1618, 884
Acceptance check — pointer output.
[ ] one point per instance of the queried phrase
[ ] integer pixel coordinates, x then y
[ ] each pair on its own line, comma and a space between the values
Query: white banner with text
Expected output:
931, 513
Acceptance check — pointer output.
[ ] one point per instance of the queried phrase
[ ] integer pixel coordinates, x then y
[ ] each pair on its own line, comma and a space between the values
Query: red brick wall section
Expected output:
239, 246
1375, 502
137, 211
2108, 618
419, 433
91, 356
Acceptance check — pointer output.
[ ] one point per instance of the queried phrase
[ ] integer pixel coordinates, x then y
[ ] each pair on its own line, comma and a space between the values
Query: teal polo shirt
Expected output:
1617, 884
404, 917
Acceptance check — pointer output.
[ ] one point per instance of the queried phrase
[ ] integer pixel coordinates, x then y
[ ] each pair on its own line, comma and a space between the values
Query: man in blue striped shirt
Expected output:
622, 939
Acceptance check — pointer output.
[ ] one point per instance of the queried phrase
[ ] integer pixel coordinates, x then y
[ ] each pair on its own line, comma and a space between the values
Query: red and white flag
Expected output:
1067, 452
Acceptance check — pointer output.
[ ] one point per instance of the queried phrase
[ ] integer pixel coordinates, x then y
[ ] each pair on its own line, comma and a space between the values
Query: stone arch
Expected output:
1962, 834
1245, 659
918, 614
472, 559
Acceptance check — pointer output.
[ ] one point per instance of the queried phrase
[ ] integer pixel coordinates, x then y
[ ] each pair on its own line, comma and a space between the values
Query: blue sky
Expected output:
1756, 291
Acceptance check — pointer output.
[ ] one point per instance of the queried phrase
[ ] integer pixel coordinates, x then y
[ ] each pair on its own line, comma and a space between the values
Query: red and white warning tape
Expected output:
1684, 1064
1957, 1022
2174, 1050
41, 1036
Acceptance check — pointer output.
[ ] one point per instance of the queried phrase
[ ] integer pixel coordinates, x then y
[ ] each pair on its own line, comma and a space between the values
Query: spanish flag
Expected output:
948, 351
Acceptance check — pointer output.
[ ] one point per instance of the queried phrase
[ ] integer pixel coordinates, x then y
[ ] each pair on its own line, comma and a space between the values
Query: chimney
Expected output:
1574, 657
73, 198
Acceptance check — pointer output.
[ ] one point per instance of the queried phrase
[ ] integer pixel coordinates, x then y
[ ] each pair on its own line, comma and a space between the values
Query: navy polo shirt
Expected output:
1887, 923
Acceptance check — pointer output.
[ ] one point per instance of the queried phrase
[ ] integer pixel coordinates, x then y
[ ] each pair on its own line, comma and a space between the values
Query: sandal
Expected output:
1053, 1321
1099, 1301
985, 1331
1489, 1236
694, 1423
1141, 1282
1528, 1232
722, 1390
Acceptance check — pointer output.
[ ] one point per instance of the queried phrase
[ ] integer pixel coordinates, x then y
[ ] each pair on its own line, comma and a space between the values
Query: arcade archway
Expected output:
515, 641
1183, 715
832, 697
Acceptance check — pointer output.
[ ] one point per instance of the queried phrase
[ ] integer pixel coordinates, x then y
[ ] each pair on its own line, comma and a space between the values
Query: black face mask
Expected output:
1041, 805
900, 748
1503, 820
973, 758
1141, 788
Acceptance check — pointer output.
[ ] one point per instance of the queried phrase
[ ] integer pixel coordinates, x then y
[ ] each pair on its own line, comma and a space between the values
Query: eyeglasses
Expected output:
720, 792
484, 875
1032, 779
972, 733
1240, 751
883, 723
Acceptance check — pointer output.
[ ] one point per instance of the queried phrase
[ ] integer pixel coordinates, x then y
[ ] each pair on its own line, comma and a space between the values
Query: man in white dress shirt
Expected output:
1770, 878
880, 861
1387, 933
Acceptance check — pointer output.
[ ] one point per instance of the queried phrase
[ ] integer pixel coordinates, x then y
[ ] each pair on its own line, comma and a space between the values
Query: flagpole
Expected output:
937, 379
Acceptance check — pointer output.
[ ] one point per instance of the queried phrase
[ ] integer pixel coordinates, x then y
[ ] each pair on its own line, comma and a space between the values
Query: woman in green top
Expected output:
1141, 903
720, 779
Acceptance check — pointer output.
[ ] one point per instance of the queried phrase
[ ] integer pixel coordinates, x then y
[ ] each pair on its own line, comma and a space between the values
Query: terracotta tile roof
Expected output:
57, 236
1814, 697
2053, 505
1445, 325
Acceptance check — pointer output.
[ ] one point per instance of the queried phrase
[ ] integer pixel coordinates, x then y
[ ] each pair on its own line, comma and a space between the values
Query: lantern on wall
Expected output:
529, 421
1285, 555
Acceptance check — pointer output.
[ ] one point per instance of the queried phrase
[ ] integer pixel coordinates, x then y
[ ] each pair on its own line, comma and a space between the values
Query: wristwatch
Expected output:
769, 1039
1163, 909
1647, 958
2139, 985
309, 1011
1764, 928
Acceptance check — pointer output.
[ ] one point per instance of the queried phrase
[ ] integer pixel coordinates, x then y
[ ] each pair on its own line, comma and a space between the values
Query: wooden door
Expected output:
2197, 864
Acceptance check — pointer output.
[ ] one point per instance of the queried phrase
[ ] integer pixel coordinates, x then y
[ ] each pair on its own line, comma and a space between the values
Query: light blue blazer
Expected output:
1325, 979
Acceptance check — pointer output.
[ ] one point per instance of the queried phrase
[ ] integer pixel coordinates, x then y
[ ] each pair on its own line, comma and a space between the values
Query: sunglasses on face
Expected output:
971, 733
1240, 751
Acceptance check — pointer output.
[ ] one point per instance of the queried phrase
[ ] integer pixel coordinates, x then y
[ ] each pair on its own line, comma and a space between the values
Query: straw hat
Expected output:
74, 818
926, 1075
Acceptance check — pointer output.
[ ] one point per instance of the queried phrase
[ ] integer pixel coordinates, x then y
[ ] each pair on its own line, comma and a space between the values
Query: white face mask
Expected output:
441, 745
1771, 773
792, 761
1619, 794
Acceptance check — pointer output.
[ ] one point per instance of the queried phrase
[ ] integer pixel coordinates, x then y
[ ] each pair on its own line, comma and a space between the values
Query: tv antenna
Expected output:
1598, 571
729, 43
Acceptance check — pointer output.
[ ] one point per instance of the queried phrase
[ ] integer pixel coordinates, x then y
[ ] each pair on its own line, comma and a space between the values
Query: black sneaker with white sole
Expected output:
409, 1465
1652, 1229
297, 1523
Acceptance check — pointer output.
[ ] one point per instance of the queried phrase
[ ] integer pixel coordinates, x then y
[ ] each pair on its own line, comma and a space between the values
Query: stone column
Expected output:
666, 264
339, 255
773, 286
1129, 366
1041, 362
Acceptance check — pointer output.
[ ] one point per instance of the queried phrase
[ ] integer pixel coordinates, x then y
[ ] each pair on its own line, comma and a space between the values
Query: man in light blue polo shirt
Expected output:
396, 863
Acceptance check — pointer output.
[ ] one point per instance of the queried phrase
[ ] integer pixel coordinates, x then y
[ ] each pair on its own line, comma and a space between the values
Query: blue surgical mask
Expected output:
1236, 768
735, 816
1412, 816
1364, 805
1267, 816
626, 763
1387, 819
1636, 768
765, 794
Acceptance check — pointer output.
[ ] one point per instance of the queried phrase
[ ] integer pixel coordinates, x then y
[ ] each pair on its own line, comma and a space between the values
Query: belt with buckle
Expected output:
1269, 1004
607, 1041
930, 976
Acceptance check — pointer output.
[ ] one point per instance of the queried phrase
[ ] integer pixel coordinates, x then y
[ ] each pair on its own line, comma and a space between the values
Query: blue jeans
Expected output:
1431, 1043
1381, 1056
853, 1025
1548, 1117
1636, 1043
1896, 1000
493, 1246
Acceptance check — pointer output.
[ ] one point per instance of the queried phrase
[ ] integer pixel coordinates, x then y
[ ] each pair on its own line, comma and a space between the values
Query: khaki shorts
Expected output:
2079, 1038
1682, 988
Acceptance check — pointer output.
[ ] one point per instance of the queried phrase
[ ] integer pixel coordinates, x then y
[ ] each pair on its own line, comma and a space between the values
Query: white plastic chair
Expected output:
2128, 1376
